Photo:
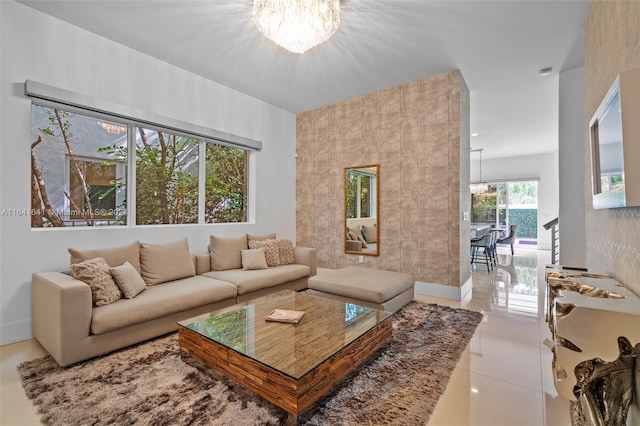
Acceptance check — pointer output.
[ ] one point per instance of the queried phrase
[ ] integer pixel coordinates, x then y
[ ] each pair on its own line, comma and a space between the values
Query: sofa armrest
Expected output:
354, 245
306, 256
203, 263
61, 309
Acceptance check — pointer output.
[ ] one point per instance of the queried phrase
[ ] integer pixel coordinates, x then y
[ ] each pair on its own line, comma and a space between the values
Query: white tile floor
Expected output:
503, 379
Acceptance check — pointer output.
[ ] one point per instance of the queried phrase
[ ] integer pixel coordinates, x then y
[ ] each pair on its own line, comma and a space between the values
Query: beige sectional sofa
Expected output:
361, 236
177, 285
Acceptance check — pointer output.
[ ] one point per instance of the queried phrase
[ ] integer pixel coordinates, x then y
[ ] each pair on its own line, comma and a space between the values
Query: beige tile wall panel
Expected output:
612, 45
408, 130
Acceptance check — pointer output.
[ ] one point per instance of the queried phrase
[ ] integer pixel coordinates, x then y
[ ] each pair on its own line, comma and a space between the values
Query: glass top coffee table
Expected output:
290, 365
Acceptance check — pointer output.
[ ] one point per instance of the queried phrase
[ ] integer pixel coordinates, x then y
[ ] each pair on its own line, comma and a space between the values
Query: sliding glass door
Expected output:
509, 203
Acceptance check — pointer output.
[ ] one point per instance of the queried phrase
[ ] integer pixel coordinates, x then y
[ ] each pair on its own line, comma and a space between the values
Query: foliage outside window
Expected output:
225, 184
359, 190
74, 183
484, 206
166, 178
79, 174
511, 203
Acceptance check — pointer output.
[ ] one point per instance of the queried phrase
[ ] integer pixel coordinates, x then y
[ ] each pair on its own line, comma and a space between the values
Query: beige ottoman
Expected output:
383, 290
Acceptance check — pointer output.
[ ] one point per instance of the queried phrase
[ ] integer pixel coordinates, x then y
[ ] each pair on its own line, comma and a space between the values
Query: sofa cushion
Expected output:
159, 301
250, 281
359, 283
114, 256
370, 233
95, 272
271, 250
226, 252
271, 236
160, 263
357, 230
128, 279
254, 259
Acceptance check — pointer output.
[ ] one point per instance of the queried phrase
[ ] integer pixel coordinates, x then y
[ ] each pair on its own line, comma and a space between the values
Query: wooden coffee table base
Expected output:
292, 395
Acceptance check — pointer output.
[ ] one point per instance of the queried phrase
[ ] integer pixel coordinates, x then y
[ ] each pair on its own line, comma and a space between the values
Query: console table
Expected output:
595, 325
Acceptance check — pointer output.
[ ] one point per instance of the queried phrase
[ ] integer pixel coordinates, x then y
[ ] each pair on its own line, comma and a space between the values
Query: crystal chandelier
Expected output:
297, 25
479, 187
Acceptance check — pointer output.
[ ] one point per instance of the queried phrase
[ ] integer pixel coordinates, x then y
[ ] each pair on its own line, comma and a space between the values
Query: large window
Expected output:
79, 174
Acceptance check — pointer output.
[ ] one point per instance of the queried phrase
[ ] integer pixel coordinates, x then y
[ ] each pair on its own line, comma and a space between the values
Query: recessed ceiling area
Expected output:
499, 46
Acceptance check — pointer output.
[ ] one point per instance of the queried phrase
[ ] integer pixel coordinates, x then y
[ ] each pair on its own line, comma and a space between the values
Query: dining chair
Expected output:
511, 238
481, 251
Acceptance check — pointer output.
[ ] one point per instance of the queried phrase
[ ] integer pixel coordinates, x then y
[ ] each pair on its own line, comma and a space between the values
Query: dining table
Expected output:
478, 230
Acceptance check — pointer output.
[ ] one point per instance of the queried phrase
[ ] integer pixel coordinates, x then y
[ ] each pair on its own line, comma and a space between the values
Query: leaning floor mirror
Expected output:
361, 212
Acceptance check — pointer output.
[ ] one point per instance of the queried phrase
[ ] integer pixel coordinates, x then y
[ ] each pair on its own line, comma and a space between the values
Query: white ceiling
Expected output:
499, 46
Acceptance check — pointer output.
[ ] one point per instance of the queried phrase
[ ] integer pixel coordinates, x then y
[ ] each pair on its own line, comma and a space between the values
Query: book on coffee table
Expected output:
284, 315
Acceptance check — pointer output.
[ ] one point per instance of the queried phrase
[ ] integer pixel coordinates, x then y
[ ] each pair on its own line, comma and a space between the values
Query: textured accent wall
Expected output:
612, 45
419, 134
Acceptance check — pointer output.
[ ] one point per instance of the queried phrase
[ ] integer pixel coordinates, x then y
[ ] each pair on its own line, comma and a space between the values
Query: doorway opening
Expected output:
509, 203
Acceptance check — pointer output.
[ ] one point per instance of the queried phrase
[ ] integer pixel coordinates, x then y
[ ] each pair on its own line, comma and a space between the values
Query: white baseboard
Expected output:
15, 332
462, 293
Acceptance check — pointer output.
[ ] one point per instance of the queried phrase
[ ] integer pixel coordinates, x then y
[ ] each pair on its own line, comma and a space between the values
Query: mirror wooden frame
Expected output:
349, 245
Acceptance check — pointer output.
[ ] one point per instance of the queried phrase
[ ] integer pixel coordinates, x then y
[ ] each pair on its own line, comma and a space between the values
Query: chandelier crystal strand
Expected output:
297, 25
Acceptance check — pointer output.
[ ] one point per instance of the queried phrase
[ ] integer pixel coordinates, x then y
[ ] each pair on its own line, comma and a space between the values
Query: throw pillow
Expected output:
254, 259
95, 273
128, 279
369, 233
349, 233
362, 240
226, 252
356, 230
286, 252
271, 236
114, 256
160, 263
270, 250
352, 236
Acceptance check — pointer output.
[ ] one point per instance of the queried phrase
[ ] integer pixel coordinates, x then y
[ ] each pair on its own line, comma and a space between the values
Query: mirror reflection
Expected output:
361, 210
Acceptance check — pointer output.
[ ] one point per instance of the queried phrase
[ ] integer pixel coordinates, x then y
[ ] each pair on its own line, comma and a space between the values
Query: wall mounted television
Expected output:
614, 132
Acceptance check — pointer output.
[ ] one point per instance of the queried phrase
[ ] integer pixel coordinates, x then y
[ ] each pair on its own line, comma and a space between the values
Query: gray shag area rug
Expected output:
149, 384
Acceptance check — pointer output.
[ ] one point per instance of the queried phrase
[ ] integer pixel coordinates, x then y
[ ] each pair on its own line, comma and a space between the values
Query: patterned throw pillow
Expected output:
286, 252
270, 251
95, 272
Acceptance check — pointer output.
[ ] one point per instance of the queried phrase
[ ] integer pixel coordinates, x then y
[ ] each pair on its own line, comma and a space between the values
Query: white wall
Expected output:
44, 49
571, 168
541, 166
